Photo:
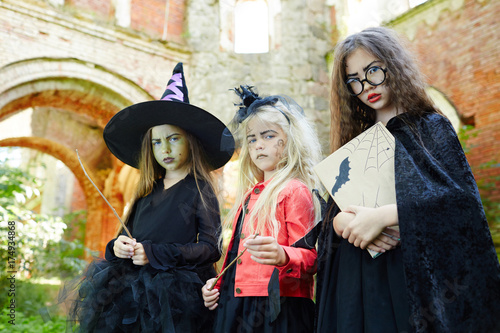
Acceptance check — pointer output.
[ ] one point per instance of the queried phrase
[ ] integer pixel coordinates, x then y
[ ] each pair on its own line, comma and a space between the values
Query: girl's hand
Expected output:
369, 223
139, 258
124, 247
266, 250
341, 221
386, 241
210, 297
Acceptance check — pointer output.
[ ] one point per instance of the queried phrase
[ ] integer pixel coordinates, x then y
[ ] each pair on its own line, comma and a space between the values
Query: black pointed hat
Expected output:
124, 132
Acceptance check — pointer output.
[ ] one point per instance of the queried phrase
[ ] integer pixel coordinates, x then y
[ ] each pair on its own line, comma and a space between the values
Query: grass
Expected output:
31, 296
31, 324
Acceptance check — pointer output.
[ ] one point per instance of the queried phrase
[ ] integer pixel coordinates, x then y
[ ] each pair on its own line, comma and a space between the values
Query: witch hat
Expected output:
124, 132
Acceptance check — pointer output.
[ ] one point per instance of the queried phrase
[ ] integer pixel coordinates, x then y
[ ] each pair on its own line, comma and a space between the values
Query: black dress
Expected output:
365, 294
180, 236
446, 266
252, 314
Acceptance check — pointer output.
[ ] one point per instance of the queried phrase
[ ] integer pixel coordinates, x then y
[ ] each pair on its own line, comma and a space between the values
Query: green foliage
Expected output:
16, 188
36, 240
29, 299
486, 184
38, 246
34, 246
464, 134
31, 324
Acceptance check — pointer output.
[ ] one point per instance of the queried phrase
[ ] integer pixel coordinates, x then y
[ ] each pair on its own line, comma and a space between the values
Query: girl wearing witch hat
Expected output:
152, 282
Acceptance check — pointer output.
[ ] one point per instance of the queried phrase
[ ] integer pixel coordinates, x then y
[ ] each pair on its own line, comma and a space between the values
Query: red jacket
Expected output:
295, 214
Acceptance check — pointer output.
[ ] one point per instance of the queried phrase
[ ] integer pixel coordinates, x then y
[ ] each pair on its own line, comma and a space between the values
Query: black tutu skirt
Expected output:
118, 296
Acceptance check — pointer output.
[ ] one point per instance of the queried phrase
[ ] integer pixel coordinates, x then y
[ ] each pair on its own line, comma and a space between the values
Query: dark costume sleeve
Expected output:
203, 252
328, 243
452, 271
109, 254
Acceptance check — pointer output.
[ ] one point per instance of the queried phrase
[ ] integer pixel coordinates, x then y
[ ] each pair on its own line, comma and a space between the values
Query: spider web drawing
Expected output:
375, 148
378, 144
367, 164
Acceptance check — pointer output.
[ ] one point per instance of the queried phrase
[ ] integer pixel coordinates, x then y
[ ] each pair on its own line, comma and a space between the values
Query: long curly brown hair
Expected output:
349, 116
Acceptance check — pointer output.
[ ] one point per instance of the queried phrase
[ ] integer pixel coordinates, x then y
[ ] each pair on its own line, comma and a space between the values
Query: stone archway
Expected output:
69, 158
43, 81
446, 106
92, 94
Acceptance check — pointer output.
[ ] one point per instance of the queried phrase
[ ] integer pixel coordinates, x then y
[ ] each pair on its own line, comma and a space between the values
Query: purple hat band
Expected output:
176, 90
173, 91
125, 131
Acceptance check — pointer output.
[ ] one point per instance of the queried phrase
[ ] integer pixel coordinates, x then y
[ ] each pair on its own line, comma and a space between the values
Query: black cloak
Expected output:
450, 264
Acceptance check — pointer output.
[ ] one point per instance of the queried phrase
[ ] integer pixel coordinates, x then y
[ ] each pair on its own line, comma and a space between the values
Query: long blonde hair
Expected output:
301, 152
349, 116
151, 171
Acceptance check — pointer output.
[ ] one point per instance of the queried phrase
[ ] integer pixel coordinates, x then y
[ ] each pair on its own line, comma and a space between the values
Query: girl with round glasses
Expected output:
441, 274
374, 75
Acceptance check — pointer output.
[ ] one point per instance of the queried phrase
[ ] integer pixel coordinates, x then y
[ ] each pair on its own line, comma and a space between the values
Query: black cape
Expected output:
450, 264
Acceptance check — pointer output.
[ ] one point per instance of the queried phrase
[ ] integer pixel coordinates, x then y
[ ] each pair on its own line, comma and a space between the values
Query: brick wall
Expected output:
102, 8
177, 12
148, 16
74, 59
460, 54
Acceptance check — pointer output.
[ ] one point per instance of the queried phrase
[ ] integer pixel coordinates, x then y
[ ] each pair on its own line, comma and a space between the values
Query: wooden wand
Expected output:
232, 262
114, 211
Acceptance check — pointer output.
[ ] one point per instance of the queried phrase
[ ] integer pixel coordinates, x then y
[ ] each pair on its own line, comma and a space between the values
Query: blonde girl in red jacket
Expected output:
270, 287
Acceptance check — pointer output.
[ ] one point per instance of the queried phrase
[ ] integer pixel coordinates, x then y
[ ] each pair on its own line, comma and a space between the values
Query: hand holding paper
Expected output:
361, 173
369, 223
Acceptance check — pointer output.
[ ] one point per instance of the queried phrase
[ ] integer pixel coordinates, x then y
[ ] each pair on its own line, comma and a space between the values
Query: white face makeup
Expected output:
378, 97
266, 143
170, 148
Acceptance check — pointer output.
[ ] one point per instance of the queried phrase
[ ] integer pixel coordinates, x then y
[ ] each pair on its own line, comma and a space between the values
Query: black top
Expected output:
179, 234
175, 227
451, 271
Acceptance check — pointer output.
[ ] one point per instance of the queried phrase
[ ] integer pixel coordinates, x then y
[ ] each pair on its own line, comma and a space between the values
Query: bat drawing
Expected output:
343, 176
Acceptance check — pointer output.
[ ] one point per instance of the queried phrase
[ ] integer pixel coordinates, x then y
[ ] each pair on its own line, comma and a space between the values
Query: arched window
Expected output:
122, 12
445, 106
415, 3
249, 26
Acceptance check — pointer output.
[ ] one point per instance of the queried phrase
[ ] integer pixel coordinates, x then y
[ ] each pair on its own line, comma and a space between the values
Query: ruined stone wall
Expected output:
295, 67
74, 60
75, 68
31, 30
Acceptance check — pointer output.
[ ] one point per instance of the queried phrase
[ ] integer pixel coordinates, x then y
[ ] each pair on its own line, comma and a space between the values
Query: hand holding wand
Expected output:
114, 211
231, 263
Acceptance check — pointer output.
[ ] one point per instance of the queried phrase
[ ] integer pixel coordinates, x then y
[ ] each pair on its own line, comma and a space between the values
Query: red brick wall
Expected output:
461, 57
78, 200
176, 19
103, 8
148, 16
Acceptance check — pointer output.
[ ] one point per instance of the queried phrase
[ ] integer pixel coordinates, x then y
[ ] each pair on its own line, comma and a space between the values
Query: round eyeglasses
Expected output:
374, 75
